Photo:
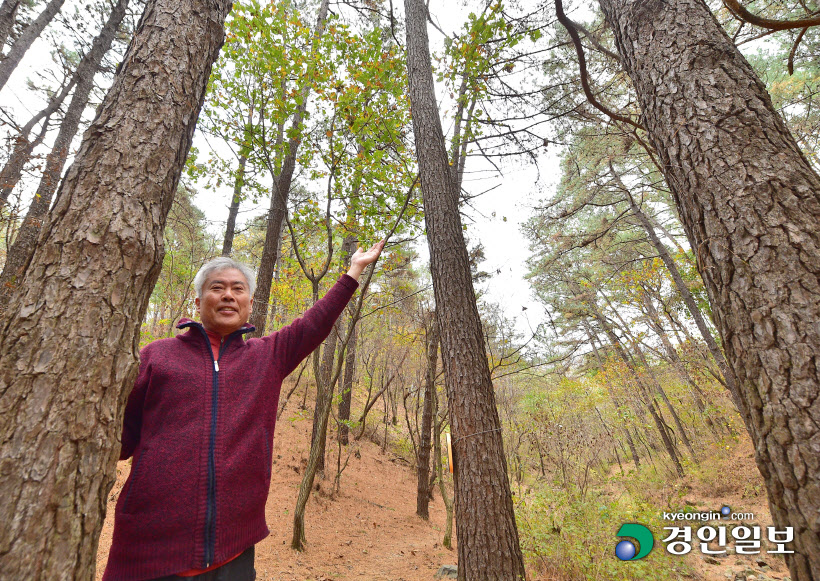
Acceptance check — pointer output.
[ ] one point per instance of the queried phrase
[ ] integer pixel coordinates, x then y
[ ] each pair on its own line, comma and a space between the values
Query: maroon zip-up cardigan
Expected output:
201, 433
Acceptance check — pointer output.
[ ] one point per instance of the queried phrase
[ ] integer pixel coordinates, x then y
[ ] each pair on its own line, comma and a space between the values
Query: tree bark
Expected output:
488, 546
447, 541
26, 39
423, 464
238, 184
324, 397
750, 203
20, 252
69, 340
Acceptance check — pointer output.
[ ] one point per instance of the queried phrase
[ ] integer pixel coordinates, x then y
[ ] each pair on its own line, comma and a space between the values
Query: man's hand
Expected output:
362, 258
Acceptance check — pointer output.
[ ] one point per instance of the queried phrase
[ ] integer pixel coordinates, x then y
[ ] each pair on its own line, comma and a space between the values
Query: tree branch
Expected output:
739, 12
582, 64
794, 50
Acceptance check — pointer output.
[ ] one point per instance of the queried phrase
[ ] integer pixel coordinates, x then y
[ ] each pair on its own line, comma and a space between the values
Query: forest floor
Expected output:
370, 531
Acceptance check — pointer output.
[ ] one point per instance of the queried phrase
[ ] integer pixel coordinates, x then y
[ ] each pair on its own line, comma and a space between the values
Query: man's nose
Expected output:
228, 295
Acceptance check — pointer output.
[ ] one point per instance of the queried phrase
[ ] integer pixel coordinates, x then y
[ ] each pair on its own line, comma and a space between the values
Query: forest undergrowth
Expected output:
568, 535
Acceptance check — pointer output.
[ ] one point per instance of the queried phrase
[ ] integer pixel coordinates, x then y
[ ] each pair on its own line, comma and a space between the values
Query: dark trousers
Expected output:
240, 569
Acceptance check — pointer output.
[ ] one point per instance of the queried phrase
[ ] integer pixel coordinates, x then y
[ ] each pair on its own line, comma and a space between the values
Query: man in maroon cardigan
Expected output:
199, 424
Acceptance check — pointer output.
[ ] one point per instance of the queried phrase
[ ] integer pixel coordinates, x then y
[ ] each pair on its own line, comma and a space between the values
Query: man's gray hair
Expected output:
218, 265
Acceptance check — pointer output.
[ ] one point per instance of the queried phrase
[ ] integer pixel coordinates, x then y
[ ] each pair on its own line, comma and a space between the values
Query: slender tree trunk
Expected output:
423, 488
385, 385
349, 248
233, 209
21, 154
347, 388
20, 253
442, 485
617, 404
657, 224
656, 416
270, 255
675, 360
658, 388
238, 184
688, 299
279, 200
26, 39
298, 538
488, 544
749, 201
324, 398
8, 12
69, 339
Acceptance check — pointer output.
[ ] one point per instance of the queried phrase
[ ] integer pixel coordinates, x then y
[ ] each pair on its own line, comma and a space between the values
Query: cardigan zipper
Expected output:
210, 513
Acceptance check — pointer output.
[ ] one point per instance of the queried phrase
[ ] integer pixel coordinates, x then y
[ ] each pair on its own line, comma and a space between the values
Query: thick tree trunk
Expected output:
423, 488
20, 252
26, 39
750, 204
279, 201
488, 546
69, 340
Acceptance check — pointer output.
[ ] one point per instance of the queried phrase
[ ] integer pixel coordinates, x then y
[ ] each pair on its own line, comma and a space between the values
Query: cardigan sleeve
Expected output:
132, 420
302, 336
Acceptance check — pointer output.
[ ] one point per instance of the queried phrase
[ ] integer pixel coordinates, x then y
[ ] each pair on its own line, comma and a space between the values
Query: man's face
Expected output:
226, 302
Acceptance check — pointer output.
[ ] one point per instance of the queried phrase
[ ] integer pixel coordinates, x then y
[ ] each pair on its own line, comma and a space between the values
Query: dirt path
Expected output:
369, 531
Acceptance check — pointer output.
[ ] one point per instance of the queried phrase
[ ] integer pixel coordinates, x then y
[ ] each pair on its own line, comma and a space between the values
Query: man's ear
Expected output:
251, 305
196, 302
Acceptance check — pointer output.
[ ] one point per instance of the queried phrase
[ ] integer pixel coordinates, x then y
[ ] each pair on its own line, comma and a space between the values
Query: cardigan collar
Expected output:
188, 323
